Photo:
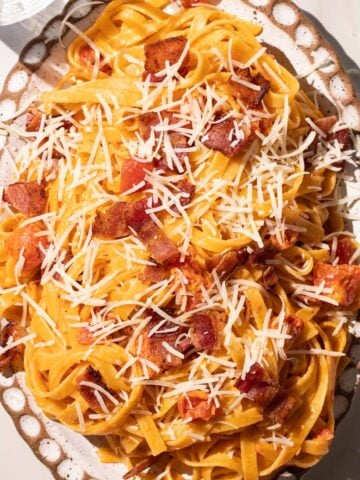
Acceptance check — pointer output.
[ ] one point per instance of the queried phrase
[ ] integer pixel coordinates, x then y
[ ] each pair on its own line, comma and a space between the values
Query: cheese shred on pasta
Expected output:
180, 277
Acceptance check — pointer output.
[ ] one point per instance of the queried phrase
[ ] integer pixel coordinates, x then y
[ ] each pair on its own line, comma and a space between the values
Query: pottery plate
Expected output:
298, 45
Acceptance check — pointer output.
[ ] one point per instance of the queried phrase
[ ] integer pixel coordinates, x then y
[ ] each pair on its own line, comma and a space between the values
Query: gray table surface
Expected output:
339, 22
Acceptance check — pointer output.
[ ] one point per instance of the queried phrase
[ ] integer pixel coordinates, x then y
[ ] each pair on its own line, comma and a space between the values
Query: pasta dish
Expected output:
176, 275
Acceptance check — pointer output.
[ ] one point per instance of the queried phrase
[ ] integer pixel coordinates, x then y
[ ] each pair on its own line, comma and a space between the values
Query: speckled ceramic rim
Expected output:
336, 85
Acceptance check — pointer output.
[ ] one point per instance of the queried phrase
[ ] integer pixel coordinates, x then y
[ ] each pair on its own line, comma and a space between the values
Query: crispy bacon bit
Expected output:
196, 277
344, 280
258, 385
186, 192
84, 336
159, 245
27, 198
280, 407
148, 121
136, 213
207, 330
158, 53
27, 241
153, 348
269, 279
326, 123
87, 59
310, 301
249, 97
132, 173
295, 328
345, 250
178, 141
226, 263
161, 248
113, 223
260, 255
223, 137
12, 358
343, 137
88, 393
33, 119
154, 274
198, 406
141, 466
289, 239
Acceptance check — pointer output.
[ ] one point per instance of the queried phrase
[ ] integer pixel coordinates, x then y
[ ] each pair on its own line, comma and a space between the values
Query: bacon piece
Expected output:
178, 141
149, 120
344, 280
33, 119
260, 255
132, 173
295, 328
222, 137
27, 241
88, 393
141, 466
158, 53
345, 250
343, 137
226, 263
280, 407
154, 274
326, 123
196, 277
269, 279
153, 348
136, 213
198, 406
84, 336
249, 97
187, 192
112, 223
310, 301
258, 385
27, 198
87, 59
161, 248
288, 240
207, 330
13, 358
159, 245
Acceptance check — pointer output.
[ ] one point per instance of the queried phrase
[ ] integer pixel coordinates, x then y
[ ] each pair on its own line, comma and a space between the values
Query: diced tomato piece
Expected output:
27, 241
198, 406
345, 249
84, 336
132, 173
344, 280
